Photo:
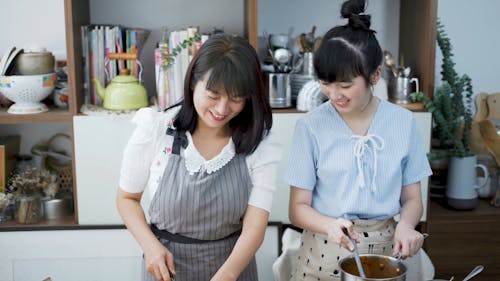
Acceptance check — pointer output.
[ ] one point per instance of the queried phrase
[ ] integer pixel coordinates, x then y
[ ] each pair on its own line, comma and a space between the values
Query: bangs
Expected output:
343, 65
234, 79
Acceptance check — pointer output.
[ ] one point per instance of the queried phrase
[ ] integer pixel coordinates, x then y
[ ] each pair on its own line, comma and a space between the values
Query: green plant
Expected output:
452, 105
169, 58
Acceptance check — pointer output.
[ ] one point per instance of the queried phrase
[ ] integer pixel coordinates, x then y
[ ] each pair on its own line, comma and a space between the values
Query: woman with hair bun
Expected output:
356, 161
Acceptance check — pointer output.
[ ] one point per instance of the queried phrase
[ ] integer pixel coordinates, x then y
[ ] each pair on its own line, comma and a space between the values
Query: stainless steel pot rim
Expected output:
400, 264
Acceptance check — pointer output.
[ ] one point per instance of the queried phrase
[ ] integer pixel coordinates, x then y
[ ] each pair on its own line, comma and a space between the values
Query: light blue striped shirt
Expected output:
368, 186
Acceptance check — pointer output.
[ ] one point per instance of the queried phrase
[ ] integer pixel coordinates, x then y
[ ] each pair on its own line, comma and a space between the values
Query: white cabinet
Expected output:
82, 255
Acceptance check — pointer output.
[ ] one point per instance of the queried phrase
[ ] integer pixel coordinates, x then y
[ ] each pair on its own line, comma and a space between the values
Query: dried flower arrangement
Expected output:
32, 181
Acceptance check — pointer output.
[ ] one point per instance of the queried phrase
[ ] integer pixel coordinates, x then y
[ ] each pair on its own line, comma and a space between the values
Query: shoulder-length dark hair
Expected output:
350, 50
233, 64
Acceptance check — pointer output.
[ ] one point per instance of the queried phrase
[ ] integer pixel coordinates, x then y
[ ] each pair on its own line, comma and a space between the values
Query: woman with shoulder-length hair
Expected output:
210, 165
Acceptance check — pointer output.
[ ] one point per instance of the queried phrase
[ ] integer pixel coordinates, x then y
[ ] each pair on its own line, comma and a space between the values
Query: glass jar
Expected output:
29, 209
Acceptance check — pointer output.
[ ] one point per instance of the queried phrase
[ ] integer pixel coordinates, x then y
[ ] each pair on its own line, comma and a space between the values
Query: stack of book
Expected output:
180, 47
98, 41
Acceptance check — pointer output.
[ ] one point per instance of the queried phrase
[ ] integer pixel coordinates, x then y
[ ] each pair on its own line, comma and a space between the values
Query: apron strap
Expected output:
180, 140
177, 238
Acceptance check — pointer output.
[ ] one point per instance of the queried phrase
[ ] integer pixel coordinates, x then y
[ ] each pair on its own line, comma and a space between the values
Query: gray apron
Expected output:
199, 217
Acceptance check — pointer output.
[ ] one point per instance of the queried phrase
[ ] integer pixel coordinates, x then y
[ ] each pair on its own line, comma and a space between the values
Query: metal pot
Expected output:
376, 267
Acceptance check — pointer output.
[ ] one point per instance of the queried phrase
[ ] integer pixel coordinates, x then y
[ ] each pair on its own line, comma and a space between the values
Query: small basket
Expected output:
65, 174
65, 171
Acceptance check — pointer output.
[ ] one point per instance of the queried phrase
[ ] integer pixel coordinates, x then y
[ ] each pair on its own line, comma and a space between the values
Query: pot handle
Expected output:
416, 84
123, 56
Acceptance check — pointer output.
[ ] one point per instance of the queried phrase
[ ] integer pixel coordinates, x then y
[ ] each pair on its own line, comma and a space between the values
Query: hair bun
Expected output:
360, 21
354, 10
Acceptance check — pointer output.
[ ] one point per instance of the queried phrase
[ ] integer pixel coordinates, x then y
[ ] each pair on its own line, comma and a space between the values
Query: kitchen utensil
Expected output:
359, 265
310, 37
390, 62
125, 92
474, 272
280, 92
57, 208
26, 91
278, 40
406, 71
32, 63
376, 267
317, 43
283, 57
399, 89
308, 64
7, 61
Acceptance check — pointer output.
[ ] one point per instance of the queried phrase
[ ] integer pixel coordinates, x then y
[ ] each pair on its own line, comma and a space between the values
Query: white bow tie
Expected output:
363, 143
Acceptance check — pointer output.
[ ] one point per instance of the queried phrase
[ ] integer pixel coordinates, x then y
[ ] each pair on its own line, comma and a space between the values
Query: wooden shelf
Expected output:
461, 239
53, 115
63, 223
287, 110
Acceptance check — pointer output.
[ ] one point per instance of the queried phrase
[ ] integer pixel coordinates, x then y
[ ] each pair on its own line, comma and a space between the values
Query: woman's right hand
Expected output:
338, 230
160, 262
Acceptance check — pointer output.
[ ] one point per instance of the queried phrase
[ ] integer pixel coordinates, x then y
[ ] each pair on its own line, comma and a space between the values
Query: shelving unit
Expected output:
417, 42
75, 14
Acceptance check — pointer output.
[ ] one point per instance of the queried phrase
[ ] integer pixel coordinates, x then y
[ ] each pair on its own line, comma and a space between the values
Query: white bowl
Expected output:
26, 91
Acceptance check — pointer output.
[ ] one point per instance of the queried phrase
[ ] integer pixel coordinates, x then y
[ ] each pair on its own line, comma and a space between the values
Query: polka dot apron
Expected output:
318, 257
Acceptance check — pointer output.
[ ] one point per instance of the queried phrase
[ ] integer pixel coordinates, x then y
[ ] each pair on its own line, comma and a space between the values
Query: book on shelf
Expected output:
170, 82
9, 148
98, 41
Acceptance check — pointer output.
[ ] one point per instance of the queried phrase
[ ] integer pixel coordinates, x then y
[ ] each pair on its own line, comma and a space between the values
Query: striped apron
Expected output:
318, 257
198, 217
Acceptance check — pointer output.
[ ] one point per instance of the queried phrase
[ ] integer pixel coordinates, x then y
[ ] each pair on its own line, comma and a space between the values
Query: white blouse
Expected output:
148, 149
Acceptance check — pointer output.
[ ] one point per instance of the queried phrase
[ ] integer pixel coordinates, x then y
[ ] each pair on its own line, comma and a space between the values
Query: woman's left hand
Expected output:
407, 241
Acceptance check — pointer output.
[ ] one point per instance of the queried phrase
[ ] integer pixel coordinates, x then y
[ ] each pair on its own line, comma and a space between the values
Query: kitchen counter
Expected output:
461, 239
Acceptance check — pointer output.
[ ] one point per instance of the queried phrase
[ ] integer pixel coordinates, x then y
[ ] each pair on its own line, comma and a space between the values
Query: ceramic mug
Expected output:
487, 190
462, 182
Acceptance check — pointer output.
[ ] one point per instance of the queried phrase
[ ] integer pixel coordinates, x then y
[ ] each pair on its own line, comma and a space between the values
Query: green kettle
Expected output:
125, 91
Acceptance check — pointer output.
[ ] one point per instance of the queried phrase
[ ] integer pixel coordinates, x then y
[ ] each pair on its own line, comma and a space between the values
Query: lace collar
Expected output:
194, 161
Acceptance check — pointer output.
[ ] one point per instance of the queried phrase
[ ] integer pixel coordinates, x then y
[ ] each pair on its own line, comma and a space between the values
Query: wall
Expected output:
27, 22
473, 31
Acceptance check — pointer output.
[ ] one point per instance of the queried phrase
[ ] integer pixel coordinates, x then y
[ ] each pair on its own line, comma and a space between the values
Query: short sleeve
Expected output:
415, 165
301, 169
263, 167
139, 151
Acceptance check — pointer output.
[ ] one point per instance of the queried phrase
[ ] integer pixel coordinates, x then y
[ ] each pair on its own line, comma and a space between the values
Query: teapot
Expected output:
125, 91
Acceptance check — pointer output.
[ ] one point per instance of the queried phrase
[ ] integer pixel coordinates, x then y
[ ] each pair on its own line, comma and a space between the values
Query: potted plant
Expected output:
451, 108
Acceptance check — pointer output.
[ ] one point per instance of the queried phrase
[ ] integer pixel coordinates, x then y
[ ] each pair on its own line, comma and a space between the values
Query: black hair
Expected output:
350, 50
232, 63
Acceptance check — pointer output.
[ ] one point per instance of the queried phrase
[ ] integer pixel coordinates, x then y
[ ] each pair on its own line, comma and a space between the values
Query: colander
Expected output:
26, 91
